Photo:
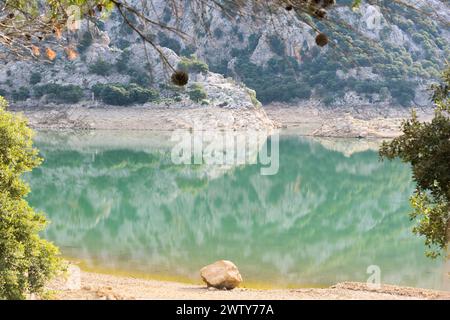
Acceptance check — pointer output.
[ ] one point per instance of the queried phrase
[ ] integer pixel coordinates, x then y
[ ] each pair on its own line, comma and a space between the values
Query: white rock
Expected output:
222, 274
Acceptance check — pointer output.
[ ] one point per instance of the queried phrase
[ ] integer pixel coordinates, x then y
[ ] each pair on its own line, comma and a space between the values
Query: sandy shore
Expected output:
95, 286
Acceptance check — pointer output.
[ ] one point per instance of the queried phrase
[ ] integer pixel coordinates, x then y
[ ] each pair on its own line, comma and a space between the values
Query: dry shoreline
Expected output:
145, 118
96, 286
304, 119
363, 121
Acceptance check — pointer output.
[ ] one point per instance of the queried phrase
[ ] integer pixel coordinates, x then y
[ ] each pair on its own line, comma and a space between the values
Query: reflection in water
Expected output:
324, 218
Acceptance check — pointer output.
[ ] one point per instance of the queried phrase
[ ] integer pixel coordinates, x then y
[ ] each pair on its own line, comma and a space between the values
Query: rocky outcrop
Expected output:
222, 274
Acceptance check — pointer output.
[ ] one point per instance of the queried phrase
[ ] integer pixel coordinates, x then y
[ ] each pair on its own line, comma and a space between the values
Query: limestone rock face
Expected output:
222, 274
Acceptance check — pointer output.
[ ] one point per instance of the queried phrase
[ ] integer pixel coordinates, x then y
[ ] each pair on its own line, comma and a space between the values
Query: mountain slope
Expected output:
380, 54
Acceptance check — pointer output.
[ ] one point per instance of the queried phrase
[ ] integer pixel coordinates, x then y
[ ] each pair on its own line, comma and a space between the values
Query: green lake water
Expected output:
117, 202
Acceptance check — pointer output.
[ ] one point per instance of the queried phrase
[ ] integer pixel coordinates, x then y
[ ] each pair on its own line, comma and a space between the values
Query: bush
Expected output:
115, 95
139, 77
85, 42
167, 15
188, 51
328, 100
142, 95
277, 45
121, 95
122, 63
197, 93
60, 93
48, 88
27, 262
71, 94
21, 94
170, 43
192, 65
101, 68
402, 91
123, 44
35, 78
218, 33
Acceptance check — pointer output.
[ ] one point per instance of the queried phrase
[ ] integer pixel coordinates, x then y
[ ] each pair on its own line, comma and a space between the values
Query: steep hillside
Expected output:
379, 53
382, 53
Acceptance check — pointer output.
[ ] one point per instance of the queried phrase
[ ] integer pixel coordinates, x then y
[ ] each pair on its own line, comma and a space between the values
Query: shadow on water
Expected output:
325, 217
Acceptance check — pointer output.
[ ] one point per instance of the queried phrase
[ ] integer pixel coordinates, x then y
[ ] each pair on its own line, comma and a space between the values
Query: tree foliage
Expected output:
197, 93
122, 95
59, 93
26, 260
426, 146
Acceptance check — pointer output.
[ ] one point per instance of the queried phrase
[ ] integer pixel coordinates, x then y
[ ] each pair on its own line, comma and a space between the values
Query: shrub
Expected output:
122, 62
35, 78
101, 68
115, 95
402, 91
139, 77
142, 95
71, 94
48, 88
167, 15
197, 93
123, 44
188, 51
277, 45
27, 262
170, 43
220, 67
60, 93
218, 33
121, 95
21, 94
253, 41
192, 65
328, 100
85, 42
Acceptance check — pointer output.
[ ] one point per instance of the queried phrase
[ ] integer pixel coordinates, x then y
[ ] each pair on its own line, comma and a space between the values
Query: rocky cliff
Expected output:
380, 54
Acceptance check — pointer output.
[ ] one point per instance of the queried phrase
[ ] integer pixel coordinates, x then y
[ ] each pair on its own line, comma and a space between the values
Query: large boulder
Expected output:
222, 274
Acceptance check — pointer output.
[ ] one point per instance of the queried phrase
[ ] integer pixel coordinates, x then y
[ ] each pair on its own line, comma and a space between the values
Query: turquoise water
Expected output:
117, 202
